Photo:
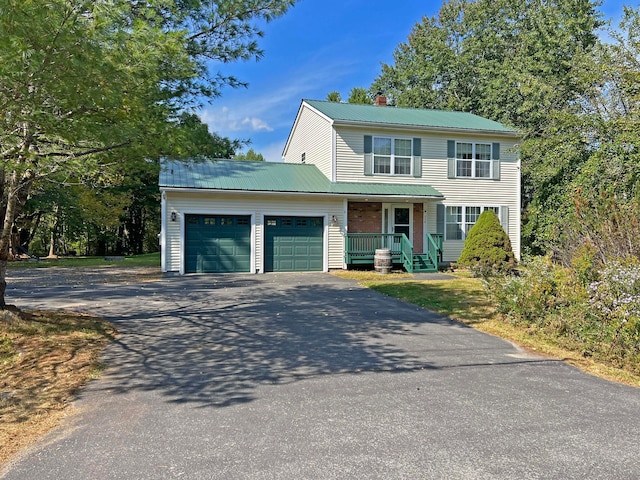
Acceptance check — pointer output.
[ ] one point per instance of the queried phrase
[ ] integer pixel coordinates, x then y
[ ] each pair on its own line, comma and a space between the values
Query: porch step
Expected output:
421, 263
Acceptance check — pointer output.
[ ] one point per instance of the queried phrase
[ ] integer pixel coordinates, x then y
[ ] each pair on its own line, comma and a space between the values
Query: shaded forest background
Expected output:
555, 70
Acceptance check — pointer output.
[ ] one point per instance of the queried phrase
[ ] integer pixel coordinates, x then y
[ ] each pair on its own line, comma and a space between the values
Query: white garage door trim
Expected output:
218, 211
296, 213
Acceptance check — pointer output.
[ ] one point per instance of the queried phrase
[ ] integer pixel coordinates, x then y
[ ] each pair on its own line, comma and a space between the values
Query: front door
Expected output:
400, 221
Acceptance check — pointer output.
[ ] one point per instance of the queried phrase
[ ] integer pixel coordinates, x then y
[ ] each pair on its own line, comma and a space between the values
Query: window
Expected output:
473, 160
392, 156
471, 215
454, 223
460, 219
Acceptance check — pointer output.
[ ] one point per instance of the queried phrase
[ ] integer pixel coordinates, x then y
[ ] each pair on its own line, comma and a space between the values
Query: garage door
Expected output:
294, 244
217, 243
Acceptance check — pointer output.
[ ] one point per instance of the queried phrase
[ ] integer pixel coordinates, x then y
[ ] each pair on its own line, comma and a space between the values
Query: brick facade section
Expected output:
364, 217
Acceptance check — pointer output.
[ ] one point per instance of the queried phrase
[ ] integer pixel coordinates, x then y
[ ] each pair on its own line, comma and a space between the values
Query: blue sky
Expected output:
317, 47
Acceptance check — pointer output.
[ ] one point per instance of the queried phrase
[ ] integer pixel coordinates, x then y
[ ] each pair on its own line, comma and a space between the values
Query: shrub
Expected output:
600, 320
527, 298
487, 249
616, 300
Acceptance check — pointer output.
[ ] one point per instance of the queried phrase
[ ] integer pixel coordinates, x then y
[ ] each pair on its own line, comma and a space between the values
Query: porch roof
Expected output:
247, 176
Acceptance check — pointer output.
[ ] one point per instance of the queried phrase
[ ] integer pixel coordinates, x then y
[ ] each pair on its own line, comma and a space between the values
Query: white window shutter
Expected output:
451, 168
496, 169
504, 218
368, 163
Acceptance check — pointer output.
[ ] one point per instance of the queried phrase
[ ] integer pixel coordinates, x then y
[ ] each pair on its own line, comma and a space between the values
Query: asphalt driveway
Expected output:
308, 376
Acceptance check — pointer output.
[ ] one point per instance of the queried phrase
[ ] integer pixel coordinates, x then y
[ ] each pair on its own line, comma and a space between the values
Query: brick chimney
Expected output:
381, 100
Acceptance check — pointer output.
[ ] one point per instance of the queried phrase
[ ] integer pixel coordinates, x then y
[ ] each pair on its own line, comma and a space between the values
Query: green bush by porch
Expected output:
487, 249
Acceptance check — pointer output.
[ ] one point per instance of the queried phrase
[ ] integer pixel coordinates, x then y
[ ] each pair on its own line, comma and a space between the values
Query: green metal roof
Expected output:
414, 117
238, 175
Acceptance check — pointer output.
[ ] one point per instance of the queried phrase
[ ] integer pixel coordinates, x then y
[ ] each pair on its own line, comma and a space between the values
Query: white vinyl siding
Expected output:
314, 139
458, 191
258, 206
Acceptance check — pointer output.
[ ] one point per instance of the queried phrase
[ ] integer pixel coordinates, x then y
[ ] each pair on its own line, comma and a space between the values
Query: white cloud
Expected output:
272, 104
225, 120
256, 124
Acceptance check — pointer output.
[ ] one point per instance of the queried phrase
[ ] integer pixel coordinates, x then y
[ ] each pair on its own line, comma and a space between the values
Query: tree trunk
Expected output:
3, 282
52, 245
54, 231
5, 236
16, 185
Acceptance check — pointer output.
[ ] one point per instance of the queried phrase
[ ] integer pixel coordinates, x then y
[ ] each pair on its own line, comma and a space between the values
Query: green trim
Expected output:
451, 148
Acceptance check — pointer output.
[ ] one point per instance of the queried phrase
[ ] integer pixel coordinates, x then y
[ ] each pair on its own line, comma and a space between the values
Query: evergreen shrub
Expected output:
487, 249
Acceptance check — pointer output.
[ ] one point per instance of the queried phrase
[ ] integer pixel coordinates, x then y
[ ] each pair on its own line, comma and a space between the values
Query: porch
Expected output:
360, 249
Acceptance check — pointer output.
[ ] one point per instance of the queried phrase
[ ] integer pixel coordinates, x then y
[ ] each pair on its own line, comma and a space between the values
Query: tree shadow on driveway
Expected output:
213, 340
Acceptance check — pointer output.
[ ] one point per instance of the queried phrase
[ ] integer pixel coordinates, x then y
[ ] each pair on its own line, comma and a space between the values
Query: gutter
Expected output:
307, 194
423, 128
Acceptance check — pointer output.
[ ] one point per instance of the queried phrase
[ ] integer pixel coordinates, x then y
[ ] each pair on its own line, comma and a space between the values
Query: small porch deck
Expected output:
360, 249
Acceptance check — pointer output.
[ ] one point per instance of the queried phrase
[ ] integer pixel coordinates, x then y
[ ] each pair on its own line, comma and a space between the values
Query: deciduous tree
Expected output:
528, 64
81, 79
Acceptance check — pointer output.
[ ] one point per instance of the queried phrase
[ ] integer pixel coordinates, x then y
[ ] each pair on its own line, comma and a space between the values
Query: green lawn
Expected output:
146, 260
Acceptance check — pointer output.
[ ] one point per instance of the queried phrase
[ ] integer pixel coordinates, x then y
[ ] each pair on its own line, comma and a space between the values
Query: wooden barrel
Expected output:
382, 261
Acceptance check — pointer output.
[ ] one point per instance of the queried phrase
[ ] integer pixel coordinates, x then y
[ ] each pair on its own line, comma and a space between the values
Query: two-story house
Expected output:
355, 178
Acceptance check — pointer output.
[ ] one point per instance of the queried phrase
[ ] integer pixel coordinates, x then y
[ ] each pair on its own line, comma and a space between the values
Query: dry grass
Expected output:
464, 299
44, 358
372, 275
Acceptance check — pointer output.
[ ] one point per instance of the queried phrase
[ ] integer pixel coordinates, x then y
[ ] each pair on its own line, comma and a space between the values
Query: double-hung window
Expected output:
392, 156
460, 219
473, 160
